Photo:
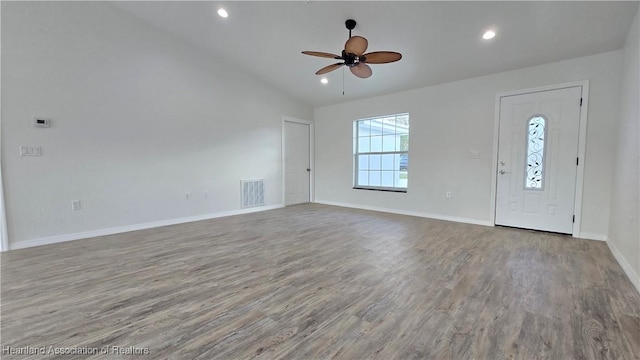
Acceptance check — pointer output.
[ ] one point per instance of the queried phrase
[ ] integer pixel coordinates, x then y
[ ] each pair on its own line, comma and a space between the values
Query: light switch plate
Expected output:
30, 150
474, 154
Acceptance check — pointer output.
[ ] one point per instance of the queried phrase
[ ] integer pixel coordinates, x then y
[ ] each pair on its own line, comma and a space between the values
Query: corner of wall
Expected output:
628, 269
624, 232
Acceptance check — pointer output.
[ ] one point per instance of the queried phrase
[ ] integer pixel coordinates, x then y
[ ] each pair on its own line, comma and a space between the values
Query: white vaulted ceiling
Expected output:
440, 41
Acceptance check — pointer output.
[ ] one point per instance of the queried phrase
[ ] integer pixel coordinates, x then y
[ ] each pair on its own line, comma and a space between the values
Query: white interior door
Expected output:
537, 160
297, 162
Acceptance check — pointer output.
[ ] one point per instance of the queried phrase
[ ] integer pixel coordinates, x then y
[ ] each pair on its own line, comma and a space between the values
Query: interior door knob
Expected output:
308, 169
502, 172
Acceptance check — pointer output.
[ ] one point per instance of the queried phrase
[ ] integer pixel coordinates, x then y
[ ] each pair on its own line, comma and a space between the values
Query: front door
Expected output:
537, 159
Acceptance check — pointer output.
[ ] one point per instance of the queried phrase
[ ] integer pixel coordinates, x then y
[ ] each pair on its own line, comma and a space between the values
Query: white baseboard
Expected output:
407, 212
593, 236
121, 229
631, 274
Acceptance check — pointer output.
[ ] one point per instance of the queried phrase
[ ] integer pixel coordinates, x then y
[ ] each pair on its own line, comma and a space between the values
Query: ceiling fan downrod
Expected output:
350, 24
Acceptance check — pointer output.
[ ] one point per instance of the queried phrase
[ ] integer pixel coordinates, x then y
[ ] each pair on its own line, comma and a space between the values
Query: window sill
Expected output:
380, 189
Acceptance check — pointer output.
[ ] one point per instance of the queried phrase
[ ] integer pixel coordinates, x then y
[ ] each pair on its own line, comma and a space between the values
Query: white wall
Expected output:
450, 119
139, 119
624, 234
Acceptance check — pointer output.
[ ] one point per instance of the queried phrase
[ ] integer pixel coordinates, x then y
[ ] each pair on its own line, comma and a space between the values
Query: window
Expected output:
381, 153
534, 164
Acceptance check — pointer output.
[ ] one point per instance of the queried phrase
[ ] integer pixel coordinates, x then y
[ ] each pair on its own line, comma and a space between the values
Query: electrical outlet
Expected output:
41, 122
447, 195
76, 205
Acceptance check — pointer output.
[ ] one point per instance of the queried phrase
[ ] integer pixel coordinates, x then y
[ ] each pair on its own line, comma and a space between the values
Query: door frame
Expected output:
4, 236
582, 137
286, 119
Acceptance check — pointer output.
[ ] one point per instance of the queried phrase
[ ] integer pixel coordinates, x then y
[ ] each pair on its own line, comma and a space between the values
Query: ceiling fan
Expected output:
354, 57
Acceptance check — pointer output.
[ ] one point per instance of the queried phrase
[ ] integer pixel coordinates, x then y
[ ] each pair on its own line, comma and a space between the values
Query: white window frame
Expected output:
356, 153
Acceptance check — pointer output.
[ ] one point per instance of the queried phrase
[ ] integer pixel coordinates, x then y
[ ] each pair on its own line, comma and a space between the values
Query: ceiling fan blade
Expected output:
382, 57
356, 45
361, 70
329, 68
322, 54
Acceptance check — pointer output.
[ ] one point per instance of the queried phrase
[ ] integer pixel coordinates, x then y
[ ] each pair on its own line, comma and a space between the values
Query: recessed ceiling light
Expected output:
223, 13
324, 81
489, 34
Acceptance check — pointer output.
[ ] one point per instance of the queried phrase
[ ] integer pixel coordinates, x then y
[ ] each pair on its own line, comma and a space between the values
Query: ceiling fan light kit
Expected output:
354, 57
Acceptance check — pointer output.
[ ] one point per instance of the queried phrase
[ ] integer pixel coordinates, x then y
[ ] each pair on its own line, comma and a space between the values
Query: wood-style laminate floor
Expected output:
319, 282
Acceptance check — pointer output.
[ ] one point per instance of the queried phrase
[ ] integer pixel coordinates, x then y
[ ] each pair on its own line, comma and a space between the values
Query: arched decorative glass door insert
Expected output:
534, 171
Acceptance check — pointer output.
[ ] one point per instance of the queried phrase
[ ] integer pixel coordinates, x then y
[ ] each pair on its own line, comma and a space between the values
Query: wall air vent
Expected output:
252, 193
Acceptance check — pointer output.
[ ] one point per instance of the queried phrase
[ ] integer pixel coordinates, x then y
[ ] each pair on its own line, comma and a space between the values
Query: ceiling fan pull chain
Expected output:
343, 81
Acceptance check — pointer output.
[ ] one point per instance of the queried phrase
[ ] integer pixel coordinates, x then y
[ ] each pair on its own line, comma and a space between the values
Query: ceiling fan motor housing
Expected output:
352, 59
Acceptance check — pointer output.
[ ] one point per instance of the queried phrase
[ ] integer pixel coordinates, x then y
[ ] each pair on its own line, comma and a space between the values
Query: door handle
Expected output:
308, 169
502, 172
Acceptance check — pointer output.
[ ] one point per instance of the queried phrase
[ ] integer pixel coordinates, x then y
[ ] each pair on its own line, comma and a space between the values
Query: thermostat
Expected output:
41, 122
